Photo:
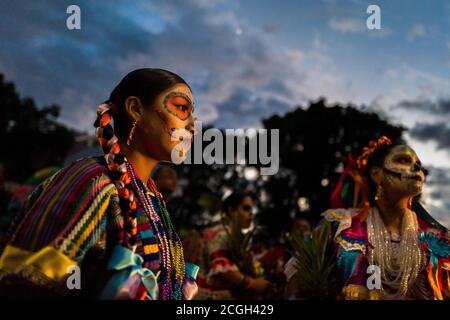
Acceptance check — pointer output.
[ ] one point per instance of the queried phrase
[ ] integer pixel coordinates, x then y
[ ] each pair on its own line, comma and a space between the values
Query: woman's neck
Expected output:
143, 165
391, 212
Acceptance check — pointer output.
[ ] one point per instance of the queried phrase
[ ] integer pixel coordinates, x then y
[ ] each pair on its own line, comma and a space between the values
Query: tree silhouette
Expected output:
31, 137
314, 145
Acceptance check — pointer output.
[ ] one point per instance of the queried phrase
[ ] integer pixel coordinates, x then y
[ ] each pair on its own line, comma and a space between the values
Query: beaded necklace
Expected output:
397, 272
171, 252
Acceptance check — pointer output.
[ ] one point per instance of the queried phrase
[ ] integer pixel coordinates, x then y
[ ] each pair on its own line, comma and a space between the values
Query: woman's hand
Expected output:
356, 176
259, 285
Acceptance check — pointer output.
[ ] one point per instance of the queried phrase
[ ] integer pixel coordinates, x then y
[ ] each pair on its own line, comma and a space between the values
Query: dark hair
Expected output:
145, 84
234, 200
377, 160
302, 216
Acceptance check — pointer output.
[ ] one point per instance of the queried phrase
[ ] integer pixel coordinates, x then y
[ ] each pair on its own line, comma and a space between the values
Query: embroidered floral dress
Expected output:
351, 238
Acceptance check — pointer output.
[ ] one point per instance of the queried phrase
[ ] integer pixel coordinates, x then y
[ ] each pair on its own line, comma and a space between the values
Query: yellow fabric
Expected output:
48, 261
355, 292
148, 249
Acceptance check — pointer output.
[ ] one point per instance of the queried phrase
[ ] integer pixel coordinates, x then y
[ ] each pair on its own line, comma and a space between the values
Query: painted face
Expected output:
403, 171
179, 104
172, 129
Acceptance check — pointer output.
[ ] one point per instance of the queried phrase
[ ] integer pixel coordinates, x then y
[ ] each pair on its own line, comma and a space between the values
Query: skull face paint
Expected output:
175, 109
179, 105
403, 171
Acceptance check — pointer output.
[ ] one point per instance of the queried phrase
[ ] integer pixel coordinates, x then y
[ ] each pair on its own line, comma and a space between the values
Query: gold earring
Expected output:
130, 136
379, 191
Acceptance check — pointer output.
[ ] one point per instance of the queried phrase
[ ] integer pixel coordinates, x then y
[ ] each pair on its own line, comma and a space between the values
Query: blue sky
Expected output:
245, 60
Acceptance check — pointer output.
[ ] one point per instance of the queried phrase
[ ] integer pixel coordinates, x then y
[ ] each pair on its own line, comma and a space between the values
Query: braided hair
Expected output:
145, 84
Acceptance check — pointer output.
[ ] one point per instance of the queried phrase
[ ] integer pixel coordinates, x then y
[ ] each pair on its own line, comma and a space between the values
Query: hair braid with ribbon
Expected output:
116, 163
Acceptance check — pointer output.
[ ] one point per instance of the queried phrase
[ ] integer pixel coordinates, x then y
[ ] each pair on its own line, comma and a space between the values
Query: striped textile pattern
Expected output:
69, 210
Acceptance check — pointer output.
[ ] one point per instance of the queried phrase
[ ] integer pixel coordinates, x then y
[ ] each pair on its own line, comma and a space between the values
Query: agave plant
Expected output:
238, 246
317, 274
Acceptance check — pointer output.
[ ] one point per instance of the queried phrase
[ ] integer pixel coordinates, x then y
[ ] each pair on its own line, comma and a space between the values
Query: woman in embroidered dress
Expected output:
99, 228
221, 277
386, 228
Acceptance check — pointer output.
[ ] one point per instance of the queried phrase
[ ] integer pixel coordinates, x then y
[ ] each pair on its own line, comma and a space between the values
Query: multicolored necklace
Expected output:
172, 266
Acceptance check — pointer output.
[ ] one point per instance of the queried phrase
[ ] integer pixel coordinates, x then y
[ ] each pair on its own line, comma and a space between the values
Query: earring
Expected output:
410, 202
130, 136
379, 191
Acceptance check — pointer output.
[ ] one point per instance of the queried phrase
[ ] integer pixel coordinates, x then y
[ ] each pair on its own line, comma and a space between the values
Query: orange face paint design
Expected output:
179, 105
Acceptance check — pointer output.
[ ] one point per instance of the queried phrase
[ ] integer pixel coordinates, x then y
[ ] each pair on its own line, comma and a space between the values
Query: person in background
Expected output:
386, 226
166, 179
271, 258
222, 278
302, 225
12, 215
5, 196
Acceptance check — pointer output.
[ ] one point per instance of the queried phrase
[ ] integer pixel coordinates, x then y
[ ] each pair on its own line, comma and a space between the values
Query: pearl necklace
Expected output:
400, 272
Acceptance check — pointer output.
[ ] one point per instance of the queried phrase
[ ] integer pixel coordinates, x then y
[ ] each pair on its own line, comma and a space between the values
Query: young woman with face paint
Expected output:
221, 278
388, 246
100, 225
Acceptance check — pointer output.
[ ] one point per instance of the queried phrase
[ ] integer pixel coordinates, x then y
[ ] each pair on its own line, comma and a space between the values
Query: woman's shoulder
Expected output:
349, 232
96, 163
342, 218
83, 170
340, 214
84, 176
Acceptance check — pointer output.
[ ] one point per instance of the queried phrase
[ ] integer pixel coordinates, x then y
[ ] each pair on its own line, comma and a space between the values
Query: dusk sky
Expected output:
246, 60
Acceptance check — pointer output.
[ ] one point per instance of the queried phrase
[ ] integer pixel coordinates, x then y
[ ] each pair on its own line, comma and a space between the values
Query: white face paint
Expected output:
403, 171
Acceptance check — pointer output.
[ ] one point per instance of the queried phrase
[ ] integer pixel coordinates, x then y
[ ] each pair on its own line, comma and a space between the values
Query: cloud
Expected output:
416, 31
391, 73
437, 194
195, 38
384, 32
347, 25
245, 102
439, 177
439, 106
439, 132
219, 64
74, 69
410, 88
294, 56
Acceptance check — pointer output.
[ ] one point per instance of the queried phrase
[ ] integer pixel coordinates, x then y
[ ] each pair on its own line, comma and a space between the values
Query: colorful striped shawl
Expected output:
62, 219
